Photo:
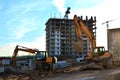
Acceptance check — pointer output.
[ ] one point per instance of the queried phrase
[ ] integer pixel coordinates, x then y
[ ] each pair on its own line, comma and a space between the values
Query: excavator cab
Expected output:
98, 51
41, 55
44, 62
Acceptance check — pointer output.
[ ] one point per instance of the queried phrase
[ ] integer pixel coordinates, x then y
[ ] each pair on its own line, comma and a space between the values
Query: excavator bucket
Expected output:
78, 44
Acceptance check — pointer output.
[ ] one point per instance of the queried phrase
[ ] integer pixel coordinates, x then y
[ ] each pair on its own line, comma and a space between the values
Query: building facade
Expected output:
61, 35
114, 40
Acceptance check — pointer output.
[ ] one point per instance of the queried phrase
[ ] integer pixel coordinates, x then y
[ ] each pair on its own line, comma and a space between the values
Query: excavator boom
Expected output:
21, 48
80, 27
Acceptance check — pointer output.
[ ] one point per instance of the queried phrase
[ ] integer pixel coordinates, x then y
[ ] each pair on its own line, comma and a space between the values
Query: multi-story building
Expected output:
60, 36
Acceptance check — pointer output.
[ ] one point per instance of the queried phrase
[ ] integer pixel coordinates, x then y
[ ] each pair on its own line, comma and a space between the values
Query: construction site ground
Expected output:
72, 73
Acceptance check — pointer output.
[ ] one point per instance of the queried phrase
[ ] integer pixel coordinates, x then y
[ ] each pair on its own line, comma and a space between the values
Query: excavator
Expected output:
42, 59
97, 55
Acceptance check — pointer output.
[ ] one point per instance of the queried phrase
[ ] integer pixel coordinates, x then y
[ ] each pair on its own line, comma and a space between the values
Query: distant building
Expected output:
60, 36
4, 64
114, 40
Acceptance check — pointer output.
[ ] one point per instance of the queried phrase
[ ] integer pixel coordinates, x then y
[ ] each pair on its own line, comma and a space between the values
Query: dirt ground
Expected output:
73, 73
76, 72
109, 74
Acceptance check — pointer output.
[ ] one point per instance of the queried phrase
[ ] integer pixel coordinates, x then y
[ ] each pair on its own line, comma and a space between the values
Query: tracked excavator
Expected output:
97, 55
42, 60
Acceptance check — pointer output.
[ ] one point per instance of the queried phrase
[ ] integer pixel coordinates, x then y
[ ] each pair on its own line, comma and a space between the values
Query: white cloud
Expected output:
23, 26
8, 49
27, 25
39, 43
22, 31
108, 10
60, 5
22, 8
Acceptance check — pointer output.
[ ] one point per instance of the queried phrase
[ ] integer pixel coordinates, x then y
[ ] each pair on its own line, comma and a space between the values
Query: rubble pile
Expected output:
62, 67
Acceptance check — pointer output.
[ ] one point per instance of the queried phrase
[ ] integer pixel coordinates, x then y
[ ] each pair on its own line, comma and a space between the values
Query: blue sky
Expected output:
22, 22
23, 19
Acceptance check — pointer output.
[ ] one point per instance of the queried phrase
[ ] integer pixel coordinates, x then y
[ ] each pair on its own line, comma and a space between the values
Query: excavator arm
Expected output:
79, 27
78, 42
21, 48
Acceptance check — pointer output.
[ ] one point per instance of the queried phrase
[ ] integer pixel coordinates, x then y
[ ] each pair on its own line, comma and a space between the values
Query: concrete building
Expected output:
60, 36
114, 40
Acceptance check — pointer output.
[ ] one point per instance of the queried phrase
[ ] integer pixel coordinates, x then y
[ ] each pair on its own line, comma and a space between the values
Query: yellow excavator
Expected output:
41, 57
96, 54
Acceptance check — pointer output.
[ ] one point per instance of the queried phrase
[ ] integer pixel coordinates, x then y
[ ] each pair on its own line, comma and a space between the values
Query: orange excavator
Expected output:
96, 54
41, 57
